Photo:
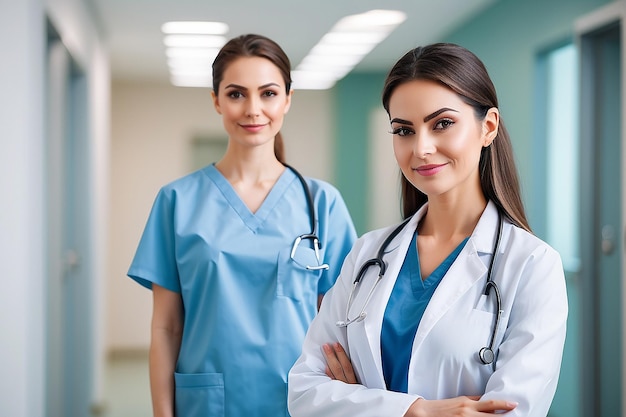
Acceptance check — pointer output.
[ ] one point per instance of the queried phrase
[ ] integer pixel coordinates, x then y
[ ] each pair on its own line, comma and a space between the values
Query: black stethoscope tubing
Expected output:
309, 202
315, 241
485, 354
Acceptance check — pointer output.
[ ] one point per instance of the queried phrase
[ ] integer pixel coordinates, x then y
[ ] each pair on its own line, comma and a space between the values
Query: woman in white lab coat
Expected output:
469, 316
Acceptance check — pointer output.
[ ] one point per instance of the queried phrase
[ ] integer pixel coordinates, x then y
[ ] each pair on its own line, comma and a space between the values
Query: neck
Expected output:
250, 167
447, 221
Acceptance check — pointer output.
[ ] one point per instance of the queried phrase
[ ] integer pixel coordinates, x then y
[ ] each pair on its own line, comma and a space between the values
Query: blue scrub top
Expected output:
406, 306
247, 304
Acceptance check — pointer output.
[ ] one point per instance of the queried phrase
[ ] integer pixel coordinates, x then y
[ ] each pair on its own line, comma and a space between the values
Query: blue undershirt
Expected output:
404, 311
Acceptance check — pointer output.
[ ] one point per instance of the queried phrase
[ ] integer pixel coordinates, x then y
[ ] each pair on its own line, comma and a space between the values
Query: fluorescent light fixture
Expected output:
194, 41
189, 81
189, 64
191, 73
327, 48
197, 28
363, 37
209, 53
371, 20
308, 80
321, 62
193, 46
341, 49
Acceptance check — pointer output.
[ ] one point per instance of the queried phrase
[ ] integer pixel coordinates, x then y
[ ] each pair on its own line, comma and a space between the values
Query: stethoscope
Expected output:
485, 354
315, 242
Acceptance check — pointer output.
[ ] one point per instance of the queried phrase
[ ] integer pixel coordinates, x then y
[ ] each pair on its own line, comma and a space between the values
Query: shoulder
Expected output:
324, 194
376, 237
318, 186
526, 254
189, 183
527, 242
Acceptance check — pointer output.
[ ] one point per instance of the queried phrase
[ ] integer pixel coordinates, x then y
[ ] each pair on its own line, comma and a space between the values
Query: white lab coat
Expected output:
457, 323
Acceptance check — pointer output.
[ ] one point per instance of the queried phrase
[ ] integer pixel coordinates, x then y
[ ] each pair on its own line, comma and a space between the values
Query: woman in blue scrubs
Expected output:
234, 287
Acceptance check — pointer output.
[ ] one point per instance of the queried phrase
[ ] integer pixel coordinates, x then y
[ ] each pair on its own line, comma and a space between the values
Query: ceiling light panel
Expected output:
347, 43
197, 28
193, 46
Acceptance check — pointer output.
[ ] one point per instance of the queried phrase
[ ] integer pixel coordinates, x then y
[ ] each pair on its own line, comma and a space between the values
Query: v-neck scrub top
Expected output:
247, 304
408, 301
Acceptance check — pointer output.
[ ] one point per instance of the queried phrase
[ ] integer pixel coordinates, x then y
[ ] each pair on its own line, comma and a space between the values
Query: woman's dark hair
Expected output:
252, 45
462, 72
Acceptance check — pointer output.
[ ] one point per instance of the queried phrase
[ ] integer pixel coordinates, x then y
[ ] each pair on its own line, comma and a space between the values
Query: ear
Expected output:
288, 104
216, 102
490, 126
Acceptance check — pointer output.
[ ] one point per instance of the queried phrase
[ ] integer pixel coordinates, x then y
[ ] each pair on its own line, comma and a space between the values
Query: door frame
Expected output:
69, 284
602, 18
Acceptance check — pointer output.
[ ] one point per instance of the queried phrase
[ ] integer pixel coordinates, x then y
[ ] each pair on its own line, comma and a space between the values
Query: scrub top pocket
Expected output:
199, 395
293, 280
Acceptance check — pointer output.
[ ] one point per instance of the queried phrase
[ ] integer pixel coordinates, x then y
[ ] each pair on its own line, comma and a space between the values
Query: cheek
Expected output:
277, 110
402, 150
230, 112
464, 145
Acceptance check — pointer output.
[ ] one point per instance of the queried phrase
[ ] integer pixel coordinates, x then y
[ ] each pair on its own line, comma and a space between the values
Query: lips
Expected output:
430, 169
252, 128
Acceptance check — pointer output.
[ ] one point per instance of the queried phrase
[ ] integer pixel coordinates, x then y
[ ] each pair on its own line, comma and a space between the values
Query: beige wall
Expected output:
152, 128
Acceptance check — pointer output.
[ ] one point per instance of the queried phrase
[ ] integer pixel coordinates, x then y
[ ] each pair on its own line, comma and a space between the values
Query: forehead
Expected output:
423, 97
252, 72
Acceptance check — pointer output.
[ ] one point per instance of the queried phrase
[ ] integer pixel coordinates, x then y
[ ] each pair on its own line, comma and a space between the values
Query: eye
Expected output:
235, 94
269, 93
443, 124
402, 131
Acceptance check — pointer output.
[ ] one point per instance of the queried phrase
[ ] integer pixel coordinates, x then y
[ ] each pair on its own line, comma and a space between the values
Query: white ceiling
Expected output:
132, 28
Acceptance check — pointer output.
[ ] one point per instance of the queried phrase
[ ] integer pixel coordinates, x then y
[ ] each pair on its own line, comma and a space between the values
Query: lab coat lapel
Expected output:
368, 350
462, 275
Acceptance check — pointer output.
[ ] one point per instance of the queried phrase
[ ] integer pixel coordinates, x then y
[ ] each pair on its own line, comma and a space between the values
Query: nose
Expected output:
423, 145
253, 107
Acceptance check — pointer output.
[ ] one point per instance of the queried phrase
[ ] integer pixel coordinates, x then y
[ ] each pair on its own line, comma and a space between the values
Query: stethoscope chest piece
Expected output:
486, 355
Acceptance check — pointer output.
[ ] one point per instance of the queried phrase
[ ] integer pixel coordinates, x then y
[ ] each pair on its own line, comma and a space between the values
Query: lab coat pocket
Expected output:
484, 320
293, 279
199, 395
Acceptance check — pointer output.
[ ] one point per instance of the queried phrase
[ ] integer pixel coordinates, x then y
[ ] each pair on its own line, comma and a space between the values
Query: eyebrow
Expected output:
427, 118
402, 121
241, 87
437, 113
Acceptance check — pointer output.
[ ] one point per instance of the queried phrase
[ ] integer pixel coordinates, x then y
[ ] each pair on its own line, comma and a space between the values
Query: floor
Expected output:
127, 386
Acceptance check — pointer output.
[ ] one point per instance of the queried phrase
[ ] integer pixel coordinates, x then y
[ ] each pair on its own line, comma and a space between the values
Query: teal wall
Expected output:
356, 96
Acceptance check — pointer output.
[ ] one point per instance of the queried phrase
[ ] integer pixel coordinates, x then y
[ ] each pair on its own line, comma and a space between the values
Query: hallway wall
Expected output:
22, 186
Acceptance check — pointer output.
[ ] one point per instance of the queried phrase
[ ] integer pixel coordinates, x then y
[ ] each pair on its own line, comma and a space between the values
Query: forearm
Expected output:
164, 350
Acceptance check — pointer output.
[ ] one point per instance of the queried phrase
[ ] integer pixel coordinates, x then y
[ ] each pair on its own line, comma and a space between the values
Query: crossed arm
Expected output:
339, 367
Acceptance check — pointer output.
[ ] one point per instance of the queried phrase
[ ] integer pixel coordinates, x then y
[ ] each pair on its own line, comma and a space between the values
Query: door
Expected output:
68, 351
600, 39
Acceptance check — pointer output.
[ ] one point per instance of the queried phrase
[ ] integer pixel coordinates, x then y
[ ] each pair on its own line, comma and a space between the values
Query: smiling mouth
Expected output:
428, 170
252, 128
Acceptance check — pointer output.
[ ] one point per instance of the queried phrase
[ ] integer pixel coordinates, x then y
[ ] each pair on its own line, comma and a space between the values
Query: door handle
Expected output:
607, 243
